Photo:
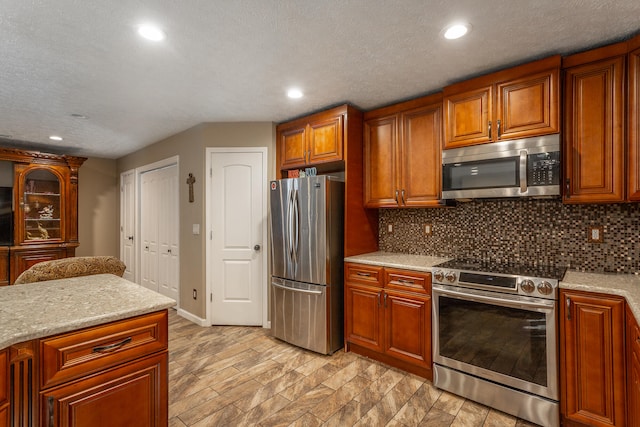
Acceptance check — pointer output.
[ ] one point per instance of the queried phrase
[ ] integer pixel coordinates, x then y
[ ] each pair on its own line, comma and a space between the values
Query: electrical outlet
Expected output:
595, 234
428, 229
390, 228
195, 294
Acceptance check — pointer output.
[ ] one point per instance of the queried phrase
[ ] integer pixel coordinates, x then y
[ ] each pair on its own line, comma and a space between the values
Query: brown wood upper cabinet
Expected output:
312, 140
402, 145
634, 119
594, 125
515, 103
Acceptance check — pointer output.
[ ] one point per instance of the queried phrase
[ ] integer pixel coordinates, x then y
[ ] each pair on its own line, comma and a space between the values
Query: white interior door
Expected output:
168, 266
159, 229
127, 224
237, 257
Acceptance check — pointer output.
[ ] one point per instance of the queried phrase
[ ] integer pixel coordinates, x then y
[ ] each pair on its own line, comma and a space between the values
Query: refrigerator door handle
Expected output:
305, 291
295, 236
290, 225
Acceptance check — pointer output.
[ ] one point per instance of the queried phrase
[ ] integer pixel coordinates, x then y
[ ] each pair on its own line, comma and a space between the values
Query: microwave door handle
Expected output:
523, 171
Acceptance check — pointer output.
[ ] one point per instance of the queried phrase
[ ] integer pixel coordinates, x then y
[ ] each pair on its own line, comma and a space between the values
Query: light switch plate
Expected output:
196, 229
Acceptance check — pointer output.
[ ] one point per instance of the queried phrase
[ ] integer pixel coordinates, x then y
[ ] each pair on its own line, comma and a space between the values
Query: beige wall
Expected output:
190, 146
98, 214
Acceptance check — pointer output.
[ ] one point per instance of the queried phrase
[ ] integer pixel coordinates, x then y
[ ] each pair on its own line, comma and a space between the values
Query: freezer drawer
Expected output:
301, 315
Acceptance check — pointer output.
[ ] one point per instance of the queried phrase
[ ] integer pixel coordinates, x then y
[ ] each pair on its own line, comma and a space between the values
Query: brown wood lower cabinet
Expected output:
108, 375
4, 389
592, 360
633, 370
388, 316
132, 395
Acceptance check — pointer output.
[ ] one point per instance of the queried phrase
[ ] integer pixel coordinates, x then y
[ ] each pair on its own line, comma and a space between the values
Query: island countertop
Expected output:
42, 309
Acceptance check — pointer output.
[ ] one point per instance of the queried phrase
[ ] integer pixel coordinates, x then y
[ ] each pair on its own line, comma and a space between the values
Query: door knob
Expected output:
256, 248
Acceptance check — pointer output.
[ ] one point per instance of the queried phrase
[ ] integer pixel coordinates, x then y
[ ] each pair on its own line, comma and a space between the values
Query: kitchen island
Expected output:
84, 350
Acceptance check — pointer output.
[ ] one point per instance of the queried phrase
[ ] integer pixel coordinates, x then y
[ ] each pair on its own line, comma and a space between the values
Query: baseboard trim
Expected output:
192, 318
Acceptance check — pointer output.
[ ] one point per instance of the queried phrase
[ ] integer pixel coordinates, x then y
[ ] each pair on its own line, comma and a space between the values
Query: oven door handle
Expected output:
547, 305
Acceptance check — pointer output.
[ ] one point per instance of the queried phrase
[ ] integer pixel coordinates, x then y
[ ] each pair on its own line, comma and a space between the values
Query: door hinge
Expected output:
211, 297
210, 172
211, 235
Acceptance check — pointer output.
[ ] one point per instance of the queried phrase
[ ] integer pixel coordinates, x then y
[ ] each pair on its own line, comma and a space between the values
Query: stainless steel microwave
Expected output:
517, 168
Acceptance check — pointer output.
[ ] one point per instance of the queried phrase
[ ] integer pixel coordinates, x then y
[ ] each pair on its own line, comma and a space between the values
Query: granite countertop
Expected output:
626, 285
397, 260
41, 309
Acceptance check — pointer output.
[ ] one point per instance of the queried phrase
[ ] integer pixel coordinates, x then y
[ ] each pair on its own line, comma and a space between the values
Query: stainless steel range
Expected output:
495, 336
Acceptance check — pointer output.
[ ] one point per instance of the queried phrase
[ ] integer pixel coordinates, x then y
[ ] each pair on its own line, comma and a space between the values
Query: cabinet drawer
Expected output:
69, 356
407, 281
365, 274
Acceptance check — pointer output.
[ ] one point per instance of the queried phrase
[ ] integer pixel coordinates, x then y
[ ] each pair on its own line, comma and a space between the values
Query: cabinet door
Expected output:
4, 388
592, 354
293, 147
594, 132
42, 210
131, 395
468, 117
528, 106
421, 138
22, 259
634, 125
364, 316
380, 159
633, 369
325, 140
408, 327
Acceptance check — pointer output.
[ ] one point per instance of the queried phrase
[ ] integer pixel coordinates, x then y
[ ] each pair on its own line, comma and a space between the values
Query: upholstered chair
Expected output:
71, 267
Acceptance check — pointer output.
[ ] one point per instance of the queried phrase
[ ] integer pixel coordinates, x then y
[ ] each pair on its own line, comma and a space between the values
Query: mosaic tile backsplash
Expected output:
520, 230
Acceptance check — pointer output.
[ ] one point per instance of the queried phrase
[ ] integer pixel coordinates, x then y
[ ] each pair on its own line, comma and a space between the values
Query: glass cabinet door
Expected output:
42, 206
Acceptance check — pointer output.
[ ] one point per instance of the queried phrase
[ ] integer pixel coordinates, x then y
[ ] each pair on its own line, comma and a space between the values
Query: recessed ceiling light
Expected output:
151, 32
79, 116
55, 138
294, 93
456, 31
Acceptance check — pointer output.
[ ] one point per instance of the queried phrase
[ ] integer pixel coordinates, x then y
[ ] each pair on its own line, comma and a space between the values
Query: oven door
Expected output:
508, 339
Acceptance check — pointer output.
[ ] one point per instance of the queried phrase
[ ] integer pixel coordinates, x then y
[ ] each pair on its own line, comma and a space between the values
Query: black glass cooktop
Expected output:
497, 267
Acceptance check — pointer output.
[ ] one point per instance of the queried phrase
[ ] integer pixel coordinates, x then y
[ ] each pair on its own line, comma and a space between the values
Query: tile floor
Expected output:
241, 376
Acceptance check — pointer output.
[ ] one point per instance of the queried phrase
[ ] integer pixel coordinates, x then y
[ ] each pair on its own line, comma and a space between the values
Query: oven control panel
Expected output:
507, 283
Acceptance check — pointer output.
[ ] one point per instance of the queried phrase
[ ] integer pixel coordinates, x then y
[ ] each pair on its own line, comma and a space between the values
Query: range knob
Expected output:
527, 286
545, 288
438, 275
450, 276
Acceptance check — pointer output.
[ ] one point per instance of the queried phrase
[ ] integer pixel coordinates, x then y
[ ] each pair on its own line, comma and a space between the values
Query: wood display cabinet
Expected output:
388, 316
5, 410
592, 359
45, 210
402, 149
519, 102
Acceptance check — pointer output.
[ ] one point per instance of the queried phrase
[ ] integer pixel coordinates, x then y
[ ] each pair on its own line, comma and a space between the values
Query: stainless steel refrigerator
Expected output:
307, 217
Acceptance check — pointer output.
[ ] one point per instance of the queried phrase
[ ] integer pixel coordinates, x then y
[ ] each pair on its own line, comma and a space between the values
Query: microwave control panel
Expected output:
543, 169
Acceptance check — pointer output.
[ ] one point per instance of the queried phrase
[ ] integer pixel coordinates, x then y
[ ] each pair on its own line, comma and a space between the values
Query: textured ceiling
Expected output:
227, 60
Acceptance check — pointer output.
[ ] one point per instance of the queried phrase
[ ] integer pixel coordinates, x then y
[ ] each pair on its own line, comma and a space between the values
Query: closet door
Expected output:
150, 191
167, 200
